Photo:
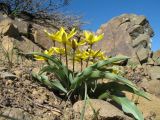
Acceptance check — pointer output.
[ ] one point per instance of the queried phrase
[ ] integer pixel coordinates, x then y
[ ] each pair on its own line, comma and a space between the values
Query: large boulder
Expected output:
127, 34
105, 110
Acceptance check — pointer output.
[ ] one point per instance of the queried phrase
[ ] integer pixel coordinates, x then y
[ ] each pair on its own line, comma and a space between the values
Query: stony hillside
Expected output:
23, 98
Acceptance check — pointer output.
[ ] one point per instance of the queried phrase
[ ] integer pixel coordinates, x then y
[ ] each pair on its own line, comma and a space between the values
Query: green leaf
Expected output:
109, 61
51, 58
47, 69
58, 72
85, 103
71, 78
53, 84
58, 85
87, 71
103, 95
79, 78
128, 106
65, 70
43, 79
116, 78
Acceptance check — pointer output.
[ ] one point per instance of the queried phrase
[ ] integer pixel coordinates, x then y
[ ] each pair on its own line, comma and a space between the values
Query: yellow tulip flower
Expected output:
81, 55
101, 56
59, 50
90, 38
66, 37
55, 36
72, 33
97, 54
47, 52
74, 44
61, 36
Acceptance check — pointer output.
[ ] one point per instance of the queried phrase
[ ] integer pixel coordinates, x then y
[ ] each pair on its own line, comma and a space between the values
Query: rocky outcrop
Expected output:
127, 34
32, 31
130, 35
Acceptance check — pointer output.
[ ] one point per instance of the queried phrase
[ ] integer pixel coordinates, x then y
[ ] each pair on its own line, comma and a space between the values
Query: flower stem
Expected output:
73, 61
89, 56
60, 57
65, 47
81, 65
54, 43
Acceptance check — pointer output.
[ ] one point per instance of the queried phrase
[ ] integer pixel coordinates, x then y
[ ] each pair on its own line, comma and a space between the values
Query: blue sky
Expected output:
98, 12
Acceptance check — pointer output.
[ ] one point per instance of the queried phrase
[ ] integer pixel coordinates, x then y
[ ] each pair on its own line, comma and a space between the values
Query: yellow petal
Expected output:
72, 33
99, 37
86, 34
39, 57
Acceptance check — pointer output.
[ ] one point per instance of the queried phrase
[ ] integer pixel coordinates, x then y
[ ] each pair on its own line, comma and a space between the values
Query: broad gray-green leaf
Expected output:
101, 88
81, 77
116, 78
42, 78
56, 84
51, 58
87, 71
128, 106
48, 69
58, 72
71, 78
109, 61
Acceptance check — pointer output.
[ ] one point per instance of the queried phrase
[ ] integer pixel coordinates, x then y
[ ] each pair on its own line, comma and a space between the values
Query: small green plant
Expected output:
83, 84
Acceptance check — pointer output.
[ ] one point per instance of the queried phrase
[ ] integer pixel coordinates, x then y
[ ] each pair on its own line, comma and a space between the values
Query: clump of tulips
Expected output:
83, 84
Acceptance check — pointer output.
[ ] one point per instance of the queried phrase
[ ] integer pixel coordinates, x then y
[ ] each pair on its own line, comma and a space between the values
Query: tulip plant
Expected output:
83, 84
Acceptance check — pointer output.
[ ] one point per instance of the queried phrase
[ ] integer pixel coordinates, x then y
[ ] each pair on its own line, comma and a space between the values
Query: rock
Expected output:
125, 34
7, 75
15, 113
36, 70
141, 39
142, 54
22, 26
26, 46
150, 108
8, 50
18, 73
105, 110
34, 32
3, 68
154, 72
140, 20
150, 61
156, 57
151, 86
7, 28
40, 37
7, 44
